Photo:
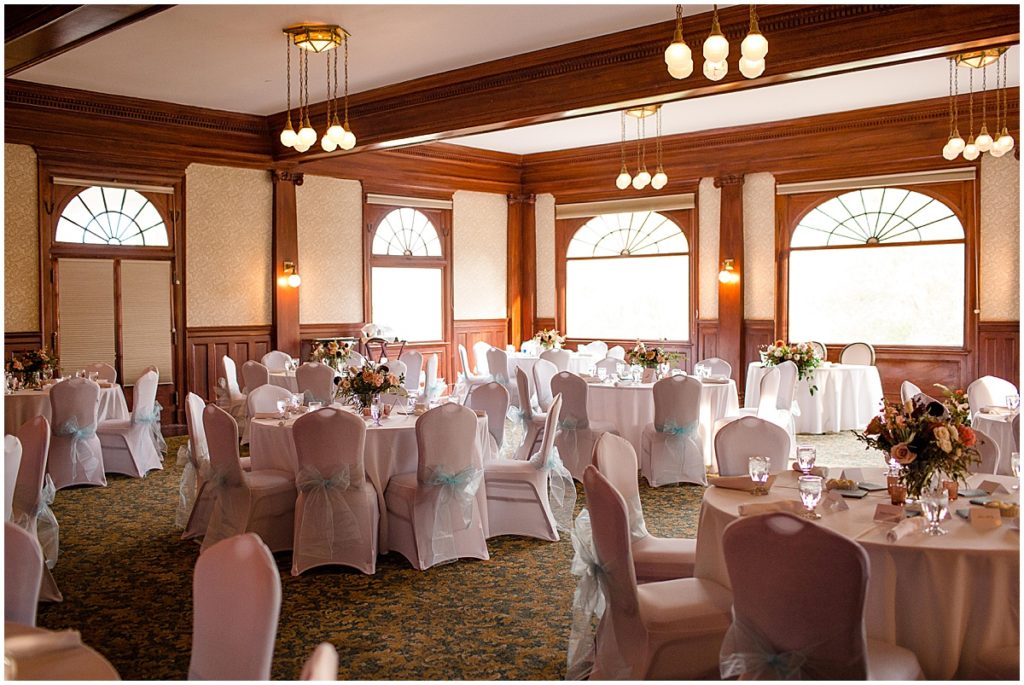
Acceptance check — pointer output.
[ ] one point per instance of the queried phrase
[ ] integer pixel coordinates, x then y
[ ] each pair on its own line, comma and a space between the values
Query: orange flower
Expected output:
875, 426
967, 435
902, 454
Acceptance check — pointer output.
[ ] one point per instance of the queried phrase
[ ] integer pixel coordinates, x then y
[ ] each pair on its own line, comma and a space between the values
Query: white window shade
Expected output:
409, 301
86, 311
146, 319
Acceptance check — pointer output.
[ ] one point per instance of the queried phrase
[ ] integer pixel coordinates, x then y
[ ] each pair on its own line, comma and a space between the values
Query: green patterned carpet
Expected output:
127, 583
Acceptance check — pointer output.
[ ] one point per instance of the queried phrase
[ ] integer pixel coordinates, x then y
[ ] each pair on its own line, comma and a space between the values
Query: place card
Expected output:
888, 513
985, 519
992, 487
855, 475
833, 501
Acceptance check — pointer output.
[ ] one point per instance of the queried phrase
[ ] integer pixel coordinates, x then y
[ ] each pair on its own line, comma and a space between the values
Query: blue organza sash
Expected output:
561, 489
326, 515
81, 453
455, 491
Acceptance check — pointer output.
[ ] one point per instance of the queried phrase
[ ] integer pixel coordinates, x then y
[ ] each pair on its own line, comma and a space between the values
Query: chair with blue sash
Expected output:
501, 369
533, 420
577, 434
672, 447
75, 456
130, 446
33, 495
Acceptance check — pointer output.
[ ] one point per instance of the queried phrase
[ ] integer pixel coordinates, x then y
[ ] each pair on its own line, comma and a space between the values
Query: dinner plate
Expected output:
872, 487
855, 494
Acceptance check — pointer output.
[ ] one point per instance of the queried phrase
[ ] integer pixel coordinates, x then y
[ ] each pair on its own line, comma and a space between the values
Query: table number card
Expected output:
992, 487
985, 519
856, 475
833, 501
889, 513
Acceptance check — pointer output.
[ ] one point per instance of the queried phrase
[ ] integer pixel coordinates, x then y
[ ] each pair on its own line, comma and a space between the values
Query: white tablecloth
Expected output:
390, 449
631, 407
847, 398
999, 427
579, 364
22, 405
76, 663
284, 379
945, 598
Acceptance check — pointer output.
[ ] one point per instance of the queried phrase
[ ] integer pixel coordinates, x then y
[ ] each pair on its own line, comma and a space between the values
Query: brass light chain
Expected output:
288, 73
622, 147
346, 83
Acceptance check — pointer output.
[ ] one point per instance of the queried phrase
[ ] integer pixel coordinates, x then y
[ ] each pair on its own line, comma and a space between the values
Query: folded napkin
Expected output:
996, 410
267, 415
815, 471
792, 506
905, 528
738, 482
715, 380
34, 644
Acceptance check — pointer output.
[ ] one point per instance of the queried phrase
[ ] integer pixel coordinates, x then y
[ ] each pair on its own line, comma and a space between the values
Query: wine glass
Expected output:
810, 494
281, 406
1013, 402
313, 406
757, 467
375, 410
934, 505
806, 455
602, 373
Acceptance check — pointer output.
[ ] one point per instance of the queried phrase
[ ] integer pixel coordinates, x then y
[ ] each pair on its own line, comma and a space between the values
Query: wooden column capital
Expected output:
282, 176
729, 180
522, 198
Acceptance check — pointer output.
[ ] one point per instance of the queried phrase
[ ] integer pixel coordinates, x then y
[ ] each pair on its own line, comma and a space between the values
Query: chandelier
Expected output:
315, 39
643, 178
973, 147
753, 49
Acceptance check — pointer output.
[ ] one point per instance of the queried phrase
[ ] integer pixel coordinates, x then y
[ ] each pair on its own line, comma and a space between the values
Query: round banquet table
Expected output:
946, 598
79, 662
285, 379
631, 407
579, 364
22, 405
390, 449
847, 398
999, 427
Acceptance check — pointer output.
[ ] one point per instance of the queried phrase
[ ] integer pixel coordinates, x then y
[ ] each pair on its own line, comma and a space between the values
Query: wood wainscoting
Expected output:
999, 350
21, 341
206, 345
469, 331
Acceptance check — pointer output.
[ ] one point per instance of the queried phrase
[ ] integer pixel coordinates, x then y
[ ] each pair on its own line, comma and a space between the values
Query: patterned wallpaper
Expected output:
545, 219
999, 274
759, 246
21, 240
330, 217
480, 247
709, 203
228, 246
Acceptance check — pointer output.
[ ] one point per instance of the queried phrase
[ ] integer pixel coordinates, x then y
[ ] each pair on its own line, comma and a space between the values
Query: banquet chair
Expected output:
104, 371
617, 352
714, 367
808, 631
598, 349
533, 422
530, 347
750, 436
431, 387
472, 379
989, 450
261, 501
193, 511
23, 573
276, 361
672, 448
336, 514
236, 603
666, 630
654, 558
492, 399
230, 397
12, 460
989, 391
519, 492
543, 372
860, 353
560, 358
315, 382
820, 350
413, 361
355, 359
254, 375
1015, 429
75, 454
576, 432
263, 400
908, 390
30, 508
130, 446
480, 349
436, 514
497, 362
322, 664
610, 365
398, 367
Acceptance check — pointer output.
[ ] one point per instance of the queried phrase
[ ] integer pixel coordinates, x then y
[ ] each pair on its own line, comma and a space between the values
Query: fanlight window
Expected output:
407, 232
877, 215
111, 216
627, 234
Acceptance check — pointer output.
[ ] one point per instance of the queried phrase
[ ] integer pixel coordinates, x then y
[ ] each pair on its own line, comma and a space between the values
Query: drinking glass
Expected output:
810, 494
1015, 468
313, 406
281, 405
757, 467
806, 455
375, 410
1013, 402
636, 372
297, 399
934, 505
602, 373
93, 375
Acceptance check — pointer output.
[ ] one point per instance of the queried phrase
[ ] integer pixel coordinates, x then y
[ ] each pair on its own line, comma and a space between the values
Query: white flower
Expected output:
778, 353
796, 357
789, 356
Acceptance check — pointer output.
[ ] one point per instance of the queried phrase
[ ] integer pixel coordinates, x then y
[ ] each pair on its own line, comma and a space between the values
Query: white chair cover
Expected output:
355, 359
532, 419
714, 367
654, 558
560, 358
480, 349
750, 436
12, 460
576, 432
492, 399
908, 391
435, 514
858, 353
276, 361
316, 382
23, 572
264, 399
989, 391
76, 457
991, 458
33, 495
229, 396
432, 389
103, 371
194, 474
597, 349
413, 361
609, 364
543, 372
236, 602
767, 402
336, 514
1015, 429
497, 362
672, 448
617, 352
322, 664
254, 375
133, 447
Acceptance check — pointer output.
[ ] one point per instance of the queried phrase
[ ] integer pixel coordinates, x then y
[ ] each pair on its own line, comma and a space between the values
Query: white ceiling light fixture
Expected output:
678, 56
716, 50
974, 147
643, 177
754, 48
1004, 143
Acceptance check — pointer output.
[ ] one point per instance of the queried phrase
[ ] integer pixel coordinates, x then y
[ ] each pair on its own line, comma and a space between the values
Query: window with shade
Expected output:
627, 276
407, 275
881, 265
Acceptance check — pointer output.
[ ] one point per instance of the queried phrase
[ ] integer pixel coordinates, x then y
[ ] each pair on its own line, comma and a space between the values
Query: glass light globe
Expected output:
335, 132
984, 140
307, 136
1005, 141
679, 60
715, 71
294, 280
956, 143
659, 180
971, 150
300, 146
716, 48
288, 136
623, 180
754, 46
641, 180
997, 152
751, 68
348, 140
681, 73
327, 144
948, 154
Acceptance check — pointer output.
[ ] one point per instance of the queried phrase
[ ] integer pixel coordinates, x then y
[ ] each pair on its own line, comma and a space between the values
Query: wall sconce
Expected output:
291, 278
728, 275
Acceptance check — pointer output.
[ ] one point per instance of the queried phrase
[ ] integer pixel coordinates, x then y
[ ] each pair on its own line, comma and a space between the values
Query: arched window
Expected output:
111, 216
627, 276
883, 265
406, 232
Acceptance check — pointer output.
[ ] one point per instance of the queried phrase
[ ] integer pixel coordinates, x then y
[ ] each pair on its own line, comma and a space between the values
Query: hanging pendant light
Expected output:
678, 57
1004, 143
753, 49
643, 177
984, 140
660, 178
348, 139
716, 51
623, 180
971, 150
316, 39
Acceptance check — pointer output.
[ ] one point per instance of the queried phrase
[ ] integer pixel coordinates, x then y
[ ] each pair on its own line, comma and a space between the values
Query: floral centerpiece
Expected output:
925, 438
332, 353
32, 366
549, 339
957, 404
363, 384
650, 357
802, 354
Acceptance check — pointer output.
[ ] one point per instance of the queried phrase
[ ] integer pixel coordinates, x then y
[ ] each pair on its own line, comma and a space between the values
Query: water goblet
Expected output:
1013, 402
806, 455
1015, 468
757, 467
602, 373
934, 505
313, 406
810, 495
375, 410
281, 406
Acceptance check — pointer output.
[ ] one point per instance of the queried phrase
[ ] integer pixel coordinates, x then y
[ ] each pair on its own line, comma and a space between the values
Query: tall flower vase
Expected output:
650, 375
365, 401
